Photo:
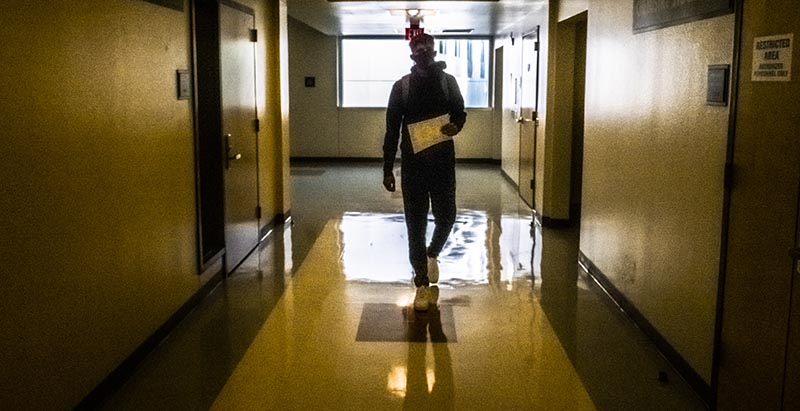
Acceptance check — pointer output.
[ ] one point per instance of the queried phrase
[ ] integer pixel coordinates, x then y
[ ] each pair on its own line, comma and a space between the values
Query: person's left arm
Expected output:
457, 114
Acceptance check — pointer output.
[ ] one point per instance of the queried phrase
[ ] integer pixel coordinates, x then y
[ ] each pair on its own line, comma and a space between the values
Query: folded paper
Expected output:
428, 133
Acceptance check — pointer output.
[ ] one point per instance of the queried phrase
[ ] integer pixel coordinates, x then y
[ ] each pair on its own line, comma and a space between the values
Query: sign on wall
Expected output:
772, 58
657, 14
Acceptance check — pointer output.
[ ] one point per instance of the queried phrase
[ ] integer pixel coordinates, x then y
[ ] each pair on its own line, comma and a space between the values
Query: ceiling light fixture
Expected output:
413, 12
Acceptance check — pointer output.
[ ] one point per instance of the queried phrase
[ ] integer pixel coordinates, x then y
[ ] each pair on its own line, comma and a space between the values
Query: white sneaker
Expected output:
422, 299
434, 294
433, 270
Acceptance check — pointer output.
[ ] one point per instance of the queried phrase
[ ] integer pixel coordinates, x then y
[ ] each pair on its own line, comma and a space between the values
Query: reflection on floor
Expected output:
318, 317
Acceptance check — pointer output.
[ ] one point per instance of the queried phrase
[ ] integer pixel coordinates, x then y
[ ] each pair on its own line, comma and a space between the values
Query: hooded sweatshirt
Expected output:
426, 100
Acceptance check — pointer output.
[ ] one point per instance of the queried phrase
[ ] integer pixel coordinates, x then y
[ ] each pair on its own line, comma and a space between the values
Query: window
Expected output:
371, 66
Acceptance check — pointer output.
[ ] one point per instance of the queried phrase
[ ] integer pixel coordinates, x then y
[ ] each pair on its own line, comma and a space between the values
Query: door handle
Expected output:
228, 149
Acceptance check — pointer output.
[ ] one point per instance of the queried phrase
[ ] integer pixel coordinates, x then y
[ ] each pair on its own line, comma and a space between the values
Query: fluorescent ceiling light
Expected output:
413, 12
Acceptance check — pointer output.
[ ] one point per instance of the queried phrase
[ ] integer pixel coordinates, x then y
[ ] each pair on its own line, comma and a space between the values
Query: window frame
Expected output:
340, 66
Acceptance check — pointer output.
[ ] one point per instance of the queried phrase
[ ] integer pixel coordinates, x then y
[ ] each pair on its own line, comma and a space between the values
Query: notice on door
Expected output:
772, 58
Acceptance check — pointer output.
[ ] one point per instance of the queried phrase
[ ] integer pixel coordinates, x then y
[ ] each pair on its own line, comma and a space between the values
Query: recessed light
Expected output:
412, 12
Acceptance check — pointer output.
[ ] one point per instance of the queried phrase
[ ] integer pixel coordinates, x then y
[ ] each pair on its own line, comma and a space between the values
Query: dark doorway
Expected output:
578, 97
208, 126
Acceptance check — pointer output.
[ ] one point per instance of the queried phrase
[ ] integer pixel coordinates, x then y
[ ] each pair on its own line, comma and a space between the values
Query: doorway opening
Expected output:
578, 102
568, 103
208, 129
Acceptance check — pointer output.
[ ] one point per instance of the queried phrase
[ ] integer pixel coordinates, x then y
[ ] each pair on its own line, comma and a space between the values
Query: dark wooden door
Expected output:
239, 139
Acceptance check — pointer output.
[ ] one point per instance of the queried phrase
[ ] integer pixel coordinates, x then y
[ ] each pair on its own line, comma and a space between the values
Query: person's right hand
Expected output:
449, 129
388, 182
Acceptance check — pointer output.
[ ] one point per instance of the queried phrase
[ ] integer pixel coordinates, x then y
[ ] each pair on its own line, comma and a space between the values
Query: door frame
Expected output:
240, 240
529, 184
791, 372
207, 113
208, 131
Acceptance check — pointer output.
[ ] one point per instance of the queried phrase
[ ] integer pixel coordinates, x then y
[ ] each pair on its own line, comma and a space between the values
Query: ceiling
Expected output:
346, 18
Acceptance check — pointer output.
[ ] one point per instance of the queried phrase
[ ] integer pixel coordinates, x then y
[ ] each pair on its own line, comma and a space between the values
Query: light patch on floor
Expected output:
306, 355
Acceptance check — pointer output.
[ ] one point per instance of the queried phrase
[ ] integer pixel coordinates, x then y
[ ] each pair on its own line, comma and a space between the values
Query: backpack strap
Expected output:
405, 85
446, 86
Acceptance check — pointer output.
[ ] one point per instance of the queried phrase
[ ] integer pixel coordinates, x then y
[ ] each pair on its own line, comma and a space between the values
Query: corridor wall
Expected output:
98, 212
653, 170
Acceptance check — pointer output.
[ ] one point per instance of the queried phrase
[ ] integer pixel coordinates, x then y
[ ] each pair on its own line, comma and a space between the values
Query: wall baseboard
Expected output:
509, 179
550, 222
119, 375
680, 364
556, 222
293, 160
380, 160
277, 220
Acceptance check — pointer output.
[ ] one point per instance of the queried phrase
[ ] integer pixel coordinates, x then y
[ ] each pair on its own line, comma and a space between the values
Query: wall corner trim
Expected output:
685, 371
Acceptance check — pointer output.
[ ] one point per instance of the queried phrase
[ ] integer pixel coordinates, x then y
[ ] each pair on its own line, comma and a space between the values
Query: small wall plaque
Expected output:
311, 81
184, 84
717, 92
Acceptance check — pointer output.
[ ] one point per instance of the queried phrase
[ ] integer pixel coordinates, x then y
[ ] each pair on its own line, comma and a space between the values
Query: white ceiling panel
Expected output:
485, 18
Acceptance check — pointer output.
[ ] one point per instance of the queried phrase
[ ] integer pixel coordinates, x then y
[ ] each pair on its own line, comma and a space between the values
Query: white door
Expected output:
528, 116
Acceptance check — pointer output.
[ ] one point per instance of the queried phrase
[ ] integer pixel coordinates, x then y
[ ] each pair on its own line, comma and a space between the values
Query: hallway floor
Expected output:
319, 316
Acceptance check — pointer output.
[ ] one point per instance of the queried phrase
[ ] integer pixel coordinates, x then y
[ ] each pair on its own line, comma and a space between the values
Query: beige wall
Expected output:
285, 108
314, 123
98, 214
653, 170
320, 129
570, 8
270, 100
559, 135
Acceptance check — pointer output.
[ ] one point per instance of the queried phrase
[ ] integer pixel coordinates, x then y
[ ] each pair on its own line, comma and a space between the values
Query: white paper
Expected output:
427, 133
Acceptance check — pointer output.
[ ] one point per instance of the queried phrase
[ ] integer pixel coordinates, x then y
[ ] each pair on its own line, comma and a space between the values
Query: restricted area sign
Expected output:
772, 58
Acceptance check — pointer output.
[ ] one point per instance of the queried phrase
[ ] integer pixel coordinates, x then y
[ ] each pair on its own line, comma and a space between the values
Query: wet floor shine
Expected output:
320, 316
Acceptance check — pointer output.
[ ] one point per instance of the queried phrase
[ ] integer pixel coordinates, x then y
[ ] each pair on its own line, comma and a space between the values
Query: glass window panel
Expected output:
371, 66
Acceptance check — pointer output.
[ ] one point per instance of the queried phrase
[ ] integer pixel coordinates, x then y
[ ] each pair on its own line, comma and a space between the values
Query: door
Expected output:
791, 386
239, 139
759, 306
528, 116
497, 114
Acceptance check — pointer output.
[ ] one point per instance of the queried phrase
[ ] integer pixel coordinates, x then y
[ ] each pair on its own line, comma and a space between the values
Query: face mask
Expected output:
423, 56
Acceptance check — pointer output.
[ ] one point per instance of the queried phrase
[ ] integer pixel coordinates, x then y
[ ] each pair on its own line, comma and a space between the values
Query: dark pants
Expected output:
428, 180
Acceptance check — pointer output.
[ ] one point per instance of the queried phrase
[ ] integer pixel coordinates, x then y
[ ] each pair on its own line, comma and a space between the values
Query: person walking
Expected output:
427, 97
